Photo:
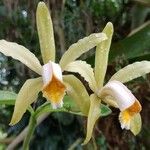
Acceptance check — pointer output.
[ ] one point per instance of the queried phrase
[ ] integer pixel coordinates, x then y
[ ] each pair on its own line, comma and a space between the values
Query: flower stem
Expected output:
32, 125
45, 108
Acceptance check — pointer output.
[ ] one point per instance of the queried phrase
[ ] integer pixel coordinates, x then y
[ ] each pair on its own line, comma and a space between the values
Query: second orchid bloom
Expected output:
114, 93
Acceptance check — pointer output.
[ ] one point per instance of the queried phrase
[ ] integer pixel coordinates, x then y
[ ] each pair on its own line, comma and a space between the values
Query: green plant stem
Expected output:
32, 125
45, 108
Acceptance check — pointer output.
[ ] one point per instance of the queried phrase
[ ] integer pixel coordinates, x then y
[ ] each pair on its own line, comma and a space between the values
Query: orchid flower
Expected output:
50, 81
114, 93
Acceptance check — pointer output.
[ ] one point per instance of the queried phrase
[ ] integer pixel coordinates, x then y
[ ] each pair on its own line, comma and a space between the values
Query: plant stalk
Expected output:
32, 125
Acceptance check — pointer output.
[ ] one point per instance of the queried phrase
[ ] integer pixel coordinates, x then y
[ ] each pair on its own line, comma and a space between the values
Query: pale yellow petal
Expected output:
82, 46
85, 70
136, 124
101, 55
110, 101
22, 54
26, 96
132, 71
94, 114
77, 91
45, 32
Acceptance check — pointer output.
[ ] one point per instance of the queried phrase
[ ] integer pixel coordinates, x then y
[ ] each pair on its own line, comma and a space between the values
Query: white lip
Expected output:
47, 73
49, 70
53, 87
121, 94
56, 70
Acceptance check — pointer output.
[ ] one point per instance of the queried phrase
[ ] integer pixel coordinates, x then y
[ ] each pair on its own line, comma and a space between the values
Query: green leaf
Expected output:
142, 12
69, 106
7, 98
133, 47
45, 32
104, 110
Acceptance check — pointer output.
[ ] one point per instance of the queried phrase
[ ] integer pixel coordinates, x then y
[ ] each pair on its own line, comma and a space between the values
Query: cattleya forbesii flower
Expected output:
51, 81
114, 93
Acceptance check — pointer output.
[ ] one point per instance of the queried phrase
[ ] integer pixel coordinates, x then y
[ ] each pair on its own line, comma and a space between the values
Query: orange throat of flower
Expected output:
126, 115
54, 91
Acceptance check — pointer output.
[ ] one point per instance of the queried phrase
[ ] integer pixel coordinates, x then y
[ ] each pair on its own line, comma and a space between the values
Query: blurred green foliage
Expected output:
74, 19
